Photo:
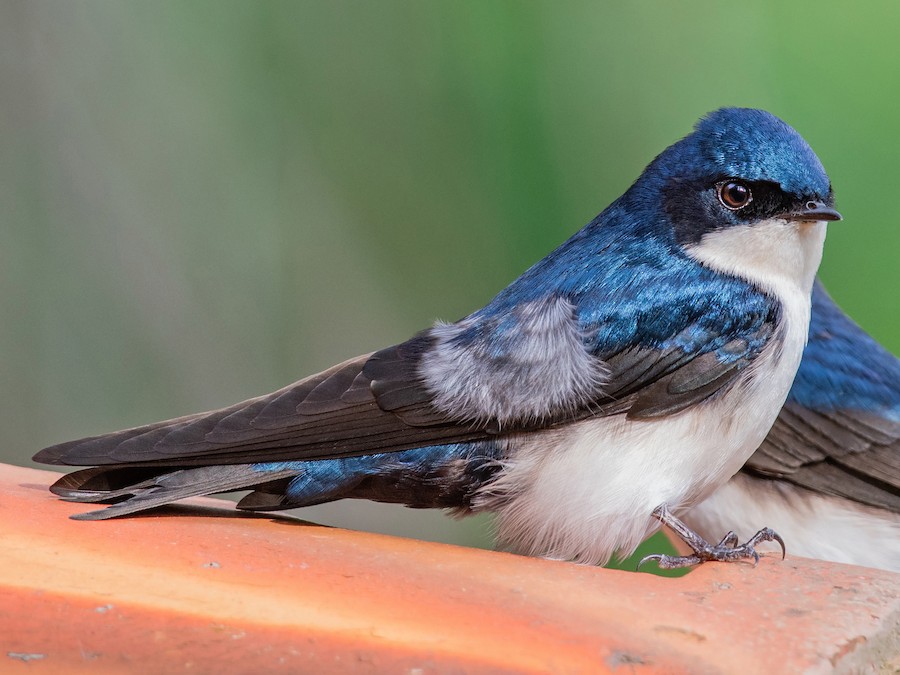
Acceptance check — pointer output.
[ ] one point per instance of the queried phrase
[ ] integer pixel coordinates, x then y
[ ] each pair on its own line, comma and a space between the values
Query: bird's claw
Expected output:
727, 550
730, 540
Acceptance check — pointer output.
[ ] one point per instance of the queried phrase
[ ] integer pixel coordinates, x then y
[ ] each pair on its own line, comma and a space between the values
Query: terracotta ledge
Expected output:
207, 590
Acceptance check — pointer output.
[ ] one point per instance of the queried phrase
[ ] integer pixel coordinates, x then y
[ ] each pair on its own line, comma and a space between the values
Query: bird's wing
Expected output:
541, 363
650, 335
846, 453
839, 432
332, 413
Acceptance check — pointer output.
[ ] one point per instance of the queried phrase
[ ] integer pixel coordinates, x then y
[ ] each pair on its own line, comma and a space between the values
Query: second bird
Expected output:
617, 382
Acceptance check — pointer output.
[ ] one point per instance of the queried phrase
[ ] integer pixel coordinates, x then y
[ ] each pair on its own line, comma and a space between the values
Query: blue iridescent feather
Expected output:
843, 367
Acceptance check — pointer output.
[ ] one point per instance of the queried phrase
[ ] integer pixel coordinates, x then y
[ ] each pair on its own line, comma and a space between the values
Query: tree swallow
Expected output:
616, 383
828, 474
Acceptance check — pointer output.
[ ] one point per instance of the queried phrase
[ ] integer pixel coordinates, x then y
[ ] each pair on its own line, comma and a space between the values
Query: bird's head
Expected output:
739, 167
743, 194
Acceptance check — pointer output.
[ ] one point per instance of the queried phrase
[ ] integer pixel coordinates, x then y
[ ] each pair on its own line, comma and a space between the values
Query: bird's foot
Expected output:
726, 550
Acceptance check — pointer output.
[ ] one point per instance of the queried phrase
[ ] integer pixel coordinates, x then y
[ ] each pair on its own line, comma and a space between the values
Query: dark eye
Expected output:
734, 195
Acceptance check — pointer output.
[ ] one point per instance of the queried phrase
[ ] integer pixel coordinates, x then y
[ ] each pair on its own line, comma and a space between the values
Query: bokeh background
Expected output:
203, 201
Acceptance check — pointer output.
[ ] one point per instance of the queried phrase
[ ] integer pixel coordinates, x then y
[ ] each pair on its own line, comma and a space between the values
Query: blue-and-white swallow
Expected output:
616, 383
827, 477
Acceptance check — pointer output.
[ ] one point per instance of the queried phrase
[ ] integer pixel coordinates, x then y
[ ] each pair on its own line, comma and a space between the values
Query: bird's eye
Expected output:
734, 195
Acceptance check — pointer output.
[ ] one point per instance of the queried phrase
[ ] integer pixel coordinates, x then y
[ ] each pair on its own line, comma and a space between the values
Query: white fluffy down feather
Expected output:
548, 355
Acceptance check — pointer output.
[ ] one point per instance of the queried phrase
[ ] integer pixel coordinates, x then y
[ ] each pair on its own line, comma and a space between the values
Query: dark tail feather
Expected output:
103, 485
137, 489
270, 497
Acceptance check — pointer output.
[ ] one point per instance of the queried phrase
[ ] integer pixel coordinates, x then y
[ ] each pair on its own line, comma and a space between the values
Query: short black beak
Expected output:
813, 211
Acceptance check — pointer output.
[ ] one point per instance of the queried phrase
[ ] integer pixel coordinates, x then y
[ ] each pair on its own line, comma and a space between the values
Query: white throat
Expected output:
779, 256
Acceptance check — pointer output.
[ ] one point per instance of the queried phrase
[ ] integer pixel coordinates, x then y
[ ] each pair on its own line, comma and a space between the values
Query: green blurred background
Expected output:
204, 201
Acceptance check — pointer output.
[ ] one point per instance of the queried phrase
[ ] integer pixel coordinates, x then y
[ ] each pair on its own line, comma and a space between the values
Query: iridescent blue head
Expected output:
739, 167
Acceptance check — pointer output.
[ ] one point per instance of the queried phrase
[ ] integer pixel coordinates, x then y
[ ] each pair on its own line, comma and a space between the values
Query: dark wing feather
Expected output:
655, 382
396, 385
333, 413
851, 454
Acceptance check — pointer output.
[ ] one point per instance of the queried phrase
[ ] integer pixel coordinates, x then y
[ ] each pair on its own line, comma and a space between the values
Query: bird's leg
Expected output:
726, 550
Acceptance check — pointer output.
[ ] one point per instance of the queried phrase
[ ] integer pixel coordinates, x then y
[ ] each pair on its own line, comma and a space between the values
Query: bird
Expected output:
618, 381
827, 476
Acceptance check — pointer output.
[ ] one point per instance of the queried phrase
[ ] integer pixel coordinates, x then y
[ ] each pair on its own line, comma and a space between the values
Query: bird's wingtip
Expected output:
49, 455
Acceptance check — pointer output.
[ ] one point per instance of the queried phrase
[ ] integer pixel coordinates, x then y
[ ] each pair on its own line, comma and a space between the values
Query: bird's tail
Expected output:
133, 489
442, 476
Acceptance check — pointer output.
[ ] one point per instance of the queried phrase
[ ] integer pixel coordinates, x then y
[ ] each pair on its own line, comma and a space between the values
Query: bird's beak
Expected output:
813, 211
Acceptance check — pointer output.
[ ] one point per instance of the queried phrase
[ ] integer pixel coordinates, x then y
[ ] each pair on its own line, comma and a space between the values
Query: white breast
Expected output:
583, 491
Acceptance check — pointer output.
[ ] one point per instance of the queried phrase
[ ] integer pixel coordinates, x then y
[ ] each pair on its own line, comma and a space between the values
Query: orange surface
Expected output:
205, 590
